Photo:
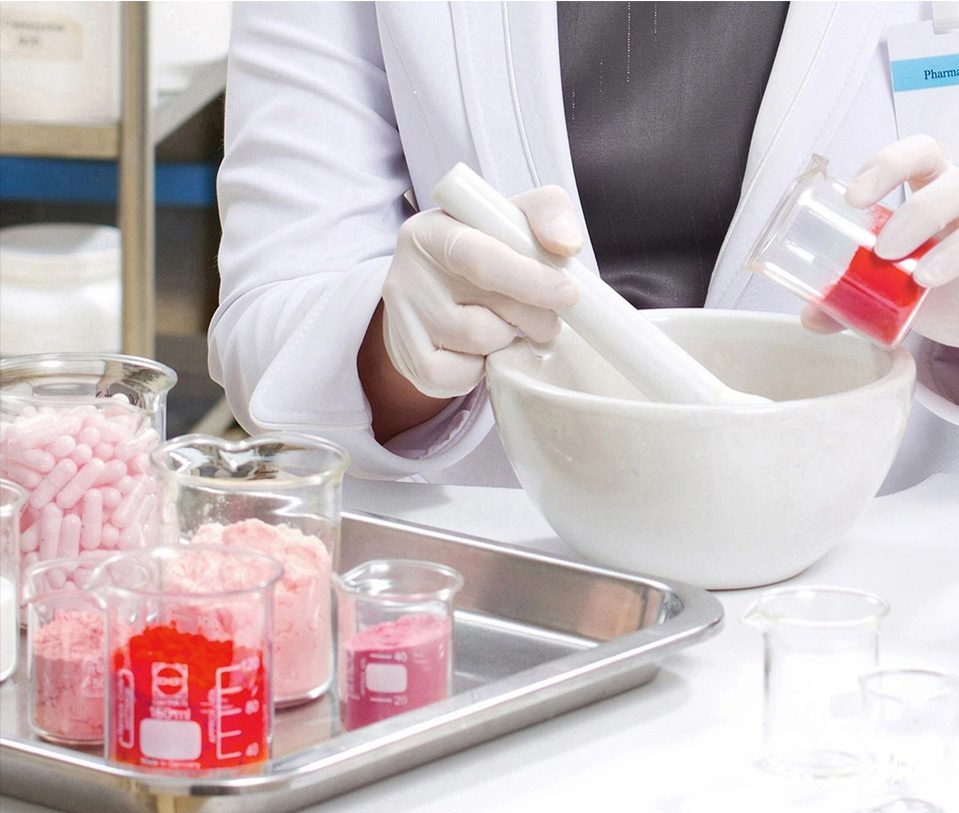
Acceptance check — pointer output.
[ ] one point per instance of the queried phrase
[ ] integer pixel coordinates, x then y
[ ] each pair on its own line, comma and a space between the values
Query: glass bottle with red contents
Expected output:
189, 657
822, 249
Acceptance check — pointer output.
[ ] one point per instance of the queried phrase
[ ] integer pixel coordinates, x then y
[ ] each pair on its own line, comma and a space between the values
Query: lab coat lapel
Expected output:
508, 61
479, 31
823, 55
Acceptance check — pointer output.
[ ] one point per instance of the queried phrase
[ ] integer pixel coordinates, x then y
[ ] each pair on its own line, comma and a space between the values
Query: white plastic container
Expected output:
60, 61
60, 289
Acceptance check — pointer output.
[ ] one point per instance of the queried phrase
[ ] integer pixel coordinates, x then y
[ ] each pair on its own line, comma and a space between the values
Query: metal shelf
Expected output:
102, 141
131, 142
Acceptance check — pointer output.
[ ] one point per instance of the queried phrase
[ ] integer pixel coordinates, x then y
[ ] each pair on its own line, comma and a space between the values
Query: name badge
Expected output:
924, 66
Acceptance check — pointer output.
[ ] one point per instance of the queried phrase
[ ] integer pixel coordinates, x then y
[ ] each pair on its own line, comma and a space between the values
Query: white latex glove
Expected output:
454, 295
932, 209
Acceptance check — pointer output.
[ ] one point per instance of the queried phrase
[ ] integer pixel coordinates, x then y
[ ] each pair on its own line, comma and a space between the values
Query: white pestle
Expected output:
640, 351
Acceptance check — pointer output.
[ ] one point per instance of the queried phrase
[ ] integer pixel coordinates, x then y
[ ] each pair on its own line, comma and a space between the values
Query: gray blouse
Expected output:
661, 100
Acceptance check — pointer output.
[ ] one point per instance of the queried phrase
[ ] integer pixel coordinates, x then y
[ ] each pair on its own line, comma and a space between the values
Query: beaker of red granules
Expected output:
819, 247
394, 638
189, 657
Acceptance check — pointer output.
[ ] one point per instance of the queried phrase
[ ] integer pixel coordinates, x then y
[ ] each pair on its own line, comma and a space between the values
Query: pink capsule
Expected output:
111, 496
143, 441
30, 558
21, 475
35, 459
38, 430
109, 536
55, 578
50, 522
81, 454
50, 486
131, 537
104, 450
81, 482
112, 472
70, 530
62, 446
89, 436
92, 519
129, 508
30, 538
117, 428
125, 484
140, 464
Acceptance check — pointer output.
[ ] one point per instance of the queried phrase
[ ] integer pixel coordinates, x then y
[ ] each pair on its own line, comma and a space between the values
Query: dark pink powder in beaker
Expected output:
393, 667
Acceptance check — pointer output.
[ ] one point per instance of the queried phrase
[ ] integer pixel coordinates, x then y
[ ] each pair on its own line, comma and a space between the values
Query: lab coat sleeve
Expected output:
310, 195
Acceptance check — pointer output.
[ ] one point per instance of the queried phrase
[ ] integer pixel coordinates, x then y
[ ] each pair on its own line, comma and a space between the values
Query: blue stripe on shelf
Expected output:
67, 181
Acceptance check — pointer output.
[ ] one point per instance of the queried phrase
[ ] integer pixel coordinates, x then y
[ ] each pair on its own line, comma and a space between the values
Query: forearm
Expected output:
395, 403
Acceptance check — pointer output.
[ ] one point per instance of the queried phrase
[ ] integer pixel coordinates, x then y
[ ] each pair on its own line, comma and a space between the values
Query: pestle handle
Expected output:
639, 350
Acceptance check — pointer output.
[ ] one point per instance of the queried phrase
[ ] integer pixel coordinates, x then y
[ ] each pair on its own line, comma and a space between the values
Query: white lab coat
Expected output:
334, 110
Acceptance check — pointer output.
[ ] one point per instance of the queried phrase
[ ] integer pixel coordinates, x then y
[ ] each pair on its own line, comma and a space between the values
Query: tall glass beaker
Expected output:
818, 642
279, 494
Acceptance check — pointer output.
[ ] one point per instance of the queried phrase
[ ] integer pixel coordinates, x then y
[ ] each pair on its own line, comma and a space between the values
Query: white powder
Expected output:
9, 628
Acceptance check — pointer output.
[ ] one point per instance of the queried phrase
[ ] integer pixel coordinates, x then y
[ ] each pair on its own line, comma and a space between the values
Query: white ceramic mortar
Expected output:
722, 496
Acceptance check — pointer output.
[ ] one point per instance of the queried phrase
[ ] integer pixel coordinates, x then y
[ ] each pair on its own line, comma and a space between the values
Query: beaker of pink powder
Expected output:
189, 679
12, 498
75, 432
394, 638
820, 248
279, 494
65, 649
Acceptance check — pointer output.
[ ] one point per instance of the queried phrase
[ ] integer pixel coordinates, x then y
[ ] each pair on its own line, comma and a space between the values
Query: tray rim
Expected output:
702, 617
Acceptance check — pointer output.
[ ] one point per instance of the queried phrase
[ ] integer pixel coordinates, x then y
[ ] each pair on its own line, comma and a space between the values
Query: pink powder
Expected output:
394, 667
66, 661
302, 640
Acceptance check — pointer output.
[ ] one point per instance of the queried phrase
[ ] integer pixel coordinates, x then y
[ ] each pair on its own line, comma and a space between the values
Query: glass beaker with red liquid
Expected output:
822, 249
394, 638
189, 657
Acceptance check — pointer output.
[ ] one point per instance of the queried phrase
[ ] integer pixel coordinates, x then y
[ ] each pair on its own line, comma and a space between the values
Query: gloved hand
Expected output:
454, 295
933, 208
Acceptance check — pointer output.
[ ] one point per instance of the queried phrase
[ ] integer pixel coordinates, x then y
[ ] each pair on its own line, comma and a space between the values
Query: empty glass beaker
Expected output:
819, 247
912, 729
279, 494
75, 433
394, 638
12, 498
818, 642
189, 654
65, 649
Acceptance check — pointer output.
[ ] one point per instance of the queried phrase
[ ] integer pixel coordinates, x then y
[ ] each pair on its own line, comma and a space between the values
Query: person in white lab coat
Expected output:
338, 114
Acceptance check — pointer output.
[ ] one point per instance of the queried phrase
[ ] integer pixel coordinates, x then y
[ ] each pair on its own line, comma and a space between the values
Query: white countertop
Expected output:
689, 741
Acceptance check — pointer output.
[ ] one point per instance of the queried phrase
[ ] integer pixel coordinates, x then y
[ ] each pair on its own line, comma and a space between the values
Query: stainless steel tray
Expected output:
534, 636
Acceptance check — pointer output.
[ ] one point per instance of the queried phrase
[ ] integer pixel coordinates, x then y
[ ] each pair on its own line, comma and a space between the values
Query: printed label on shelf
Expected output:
40, 36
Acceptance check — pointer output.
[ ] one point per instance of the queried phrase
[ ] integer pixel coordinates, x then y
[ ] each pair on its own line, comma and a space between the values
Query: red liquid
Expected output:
875, 296
182, 701
394, 667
